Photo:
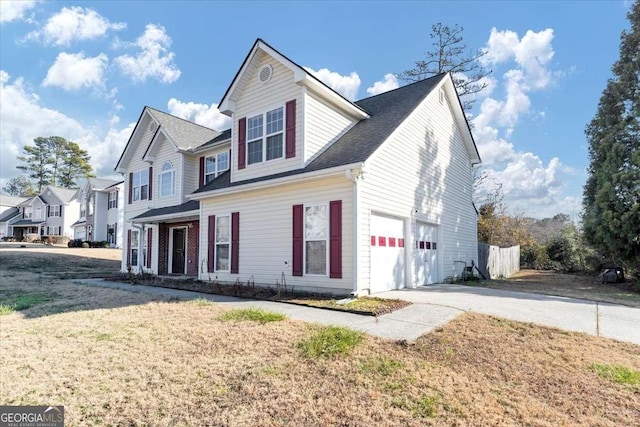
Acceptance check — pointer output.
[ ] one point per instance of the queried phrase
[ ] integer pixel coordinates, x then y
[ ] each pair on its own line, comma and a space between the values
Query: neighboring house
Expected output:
101, 212
322, 193
8, 211
50, 213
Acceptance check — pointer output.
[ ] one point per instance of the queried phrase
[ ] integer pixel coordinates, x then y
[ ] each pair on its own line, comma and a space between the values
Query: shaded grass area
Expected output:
251, 314
18, 300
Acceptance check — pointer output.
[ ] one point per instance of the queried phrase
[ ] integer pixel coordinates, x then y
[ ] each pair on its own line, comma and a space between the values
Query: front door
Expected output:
426, 253
177, 255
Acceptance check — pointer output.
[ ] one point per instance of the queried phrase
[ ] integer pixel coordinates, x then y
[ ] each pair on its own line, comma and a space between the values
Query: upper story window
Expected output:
167, 180
28, 211
54, 210
83, 210
91, 202
141, 185
215, 165
265, 136
113, 199
38, 214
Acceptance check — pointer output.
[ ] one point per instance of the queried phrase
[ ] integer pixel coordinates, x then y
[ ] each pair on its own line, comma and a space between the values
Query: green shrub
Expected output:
85, 245
328, 341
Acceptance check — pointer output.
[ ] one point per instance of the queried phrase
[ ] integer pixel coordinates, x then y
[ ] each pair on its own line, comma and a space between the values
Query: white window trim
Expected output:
112, 204
171, 172
265, 135
58, 213
134, 247
215, 244
304, 240
217, 171
140, 185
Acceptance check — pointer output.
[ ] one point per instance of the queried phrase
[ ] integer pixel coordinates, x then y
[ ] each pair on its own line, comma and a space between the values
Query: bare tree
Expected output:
450, 54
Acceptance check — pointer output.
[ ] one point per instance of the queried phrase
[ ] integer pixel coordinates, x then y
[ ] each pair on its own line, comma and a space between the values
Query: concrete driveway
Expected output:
602, 319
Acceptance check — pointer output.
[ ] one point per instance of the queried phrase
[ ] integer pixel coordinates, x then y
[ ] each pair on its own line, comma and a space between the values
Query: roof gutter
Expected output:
338, 170
161, 218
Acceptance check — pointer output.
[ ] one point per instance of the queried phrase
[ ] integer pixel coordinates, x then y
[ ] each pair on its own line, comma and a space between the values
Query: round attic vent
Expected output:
265, 73
153, 126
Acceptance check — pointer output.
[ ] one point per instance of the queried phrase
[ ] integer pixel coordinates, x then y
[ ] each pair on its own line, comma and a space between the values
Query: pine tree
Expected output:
450, 54
54, 160
37, 162
19, 186
611, 200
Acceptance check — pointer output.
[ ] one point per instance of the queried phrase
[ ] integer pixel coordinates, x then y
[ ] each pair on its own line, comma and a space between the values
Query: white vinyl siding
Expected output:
258, 98
266, 236
323, 126
424, 168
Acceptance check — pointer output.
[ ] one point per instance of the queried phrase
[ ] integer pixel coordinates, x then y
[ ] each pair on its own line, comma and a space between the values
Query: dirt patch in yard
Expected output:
113, 357
588, 287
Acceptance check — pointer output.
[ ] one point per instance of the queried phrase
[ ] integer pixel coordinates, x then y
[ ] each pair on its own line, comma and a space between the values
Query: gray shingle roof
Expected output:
8, 214
224, 136
64, 194
388, 110
191, 205
183, 133
102, 184
26, 223
7, 200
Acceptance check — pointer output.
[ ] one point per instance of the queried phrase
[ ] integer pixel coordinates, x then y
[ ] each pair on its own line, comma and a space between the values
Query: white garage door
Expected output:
426, 253
387, 253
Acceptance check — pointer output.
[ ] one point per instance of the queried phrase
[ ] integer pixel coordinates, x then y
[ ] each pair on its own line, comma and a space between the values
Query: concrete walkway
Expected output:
435, 305
405, 324
603, 319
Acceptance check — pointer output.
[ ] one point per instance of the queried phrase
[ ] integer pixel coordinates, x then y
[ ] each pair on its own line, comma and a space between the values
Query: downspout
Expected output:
355, 175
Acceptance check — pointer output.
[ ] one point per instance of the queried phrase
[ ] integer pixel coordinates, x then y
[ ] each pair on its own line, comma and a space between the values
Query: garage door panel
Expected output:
387, 253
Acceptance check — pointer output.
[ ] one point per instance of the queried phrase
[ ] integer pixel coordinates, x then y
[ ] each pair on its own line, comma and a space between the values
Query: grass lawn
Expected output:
120, 358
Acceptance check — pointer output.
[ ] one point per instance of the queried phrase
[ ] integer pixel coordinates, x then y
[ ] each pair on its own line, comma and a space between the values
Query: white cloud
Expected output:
74, 23
20, 107
346, 86
390, 82
12, 10
154, 59
202, 114
73, 71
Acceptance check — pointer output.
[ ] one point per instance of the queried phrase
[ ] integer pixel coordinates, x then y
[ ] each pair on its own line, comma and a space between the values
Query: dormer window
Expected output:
167, 180
265, 142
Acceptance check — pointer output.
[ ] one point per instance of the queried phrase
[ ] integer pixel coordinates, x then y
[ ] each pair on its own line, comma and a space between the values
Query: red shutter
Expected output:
242, 142
150, 182
149, 236
298, 239
211, 244
128, 247
130, 187
201, 182
235, 242
335, 239
291, 129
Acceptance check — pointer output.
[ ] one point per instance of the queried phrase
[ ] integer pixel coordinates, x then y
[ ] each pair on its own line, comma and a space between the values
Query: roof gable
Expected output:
183, 134
300, 76
57, 195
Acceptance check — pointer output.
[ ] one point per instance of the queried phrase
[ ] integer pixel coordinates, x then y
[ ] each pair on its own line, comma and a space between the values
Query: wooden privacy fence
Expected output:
494, 261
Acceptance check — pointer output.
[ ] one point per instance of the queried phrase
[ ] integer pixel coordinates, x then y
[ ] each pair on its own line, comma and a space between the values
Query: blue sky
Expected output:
84, 71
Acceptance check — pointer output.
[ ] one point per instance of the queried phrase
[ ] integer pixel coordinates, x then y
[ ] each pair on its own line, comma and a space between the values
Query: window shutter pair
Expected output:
335, 240
290, 135
235, 243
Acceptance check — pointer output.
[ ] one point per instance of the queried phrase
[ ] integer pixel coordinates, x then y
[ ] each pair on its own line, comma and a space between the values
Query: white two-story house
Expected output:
323, 193
101, 212
50, 213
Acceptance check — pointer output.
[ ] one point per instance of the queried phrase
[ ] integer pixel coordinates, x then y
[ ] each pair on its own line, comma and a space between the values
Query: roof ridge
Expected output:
402, 87
180, 118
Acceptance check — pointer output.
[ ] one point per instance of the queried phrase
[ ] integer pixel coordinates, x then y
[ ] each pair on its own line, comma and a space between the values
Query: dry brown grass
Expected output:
119, 358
